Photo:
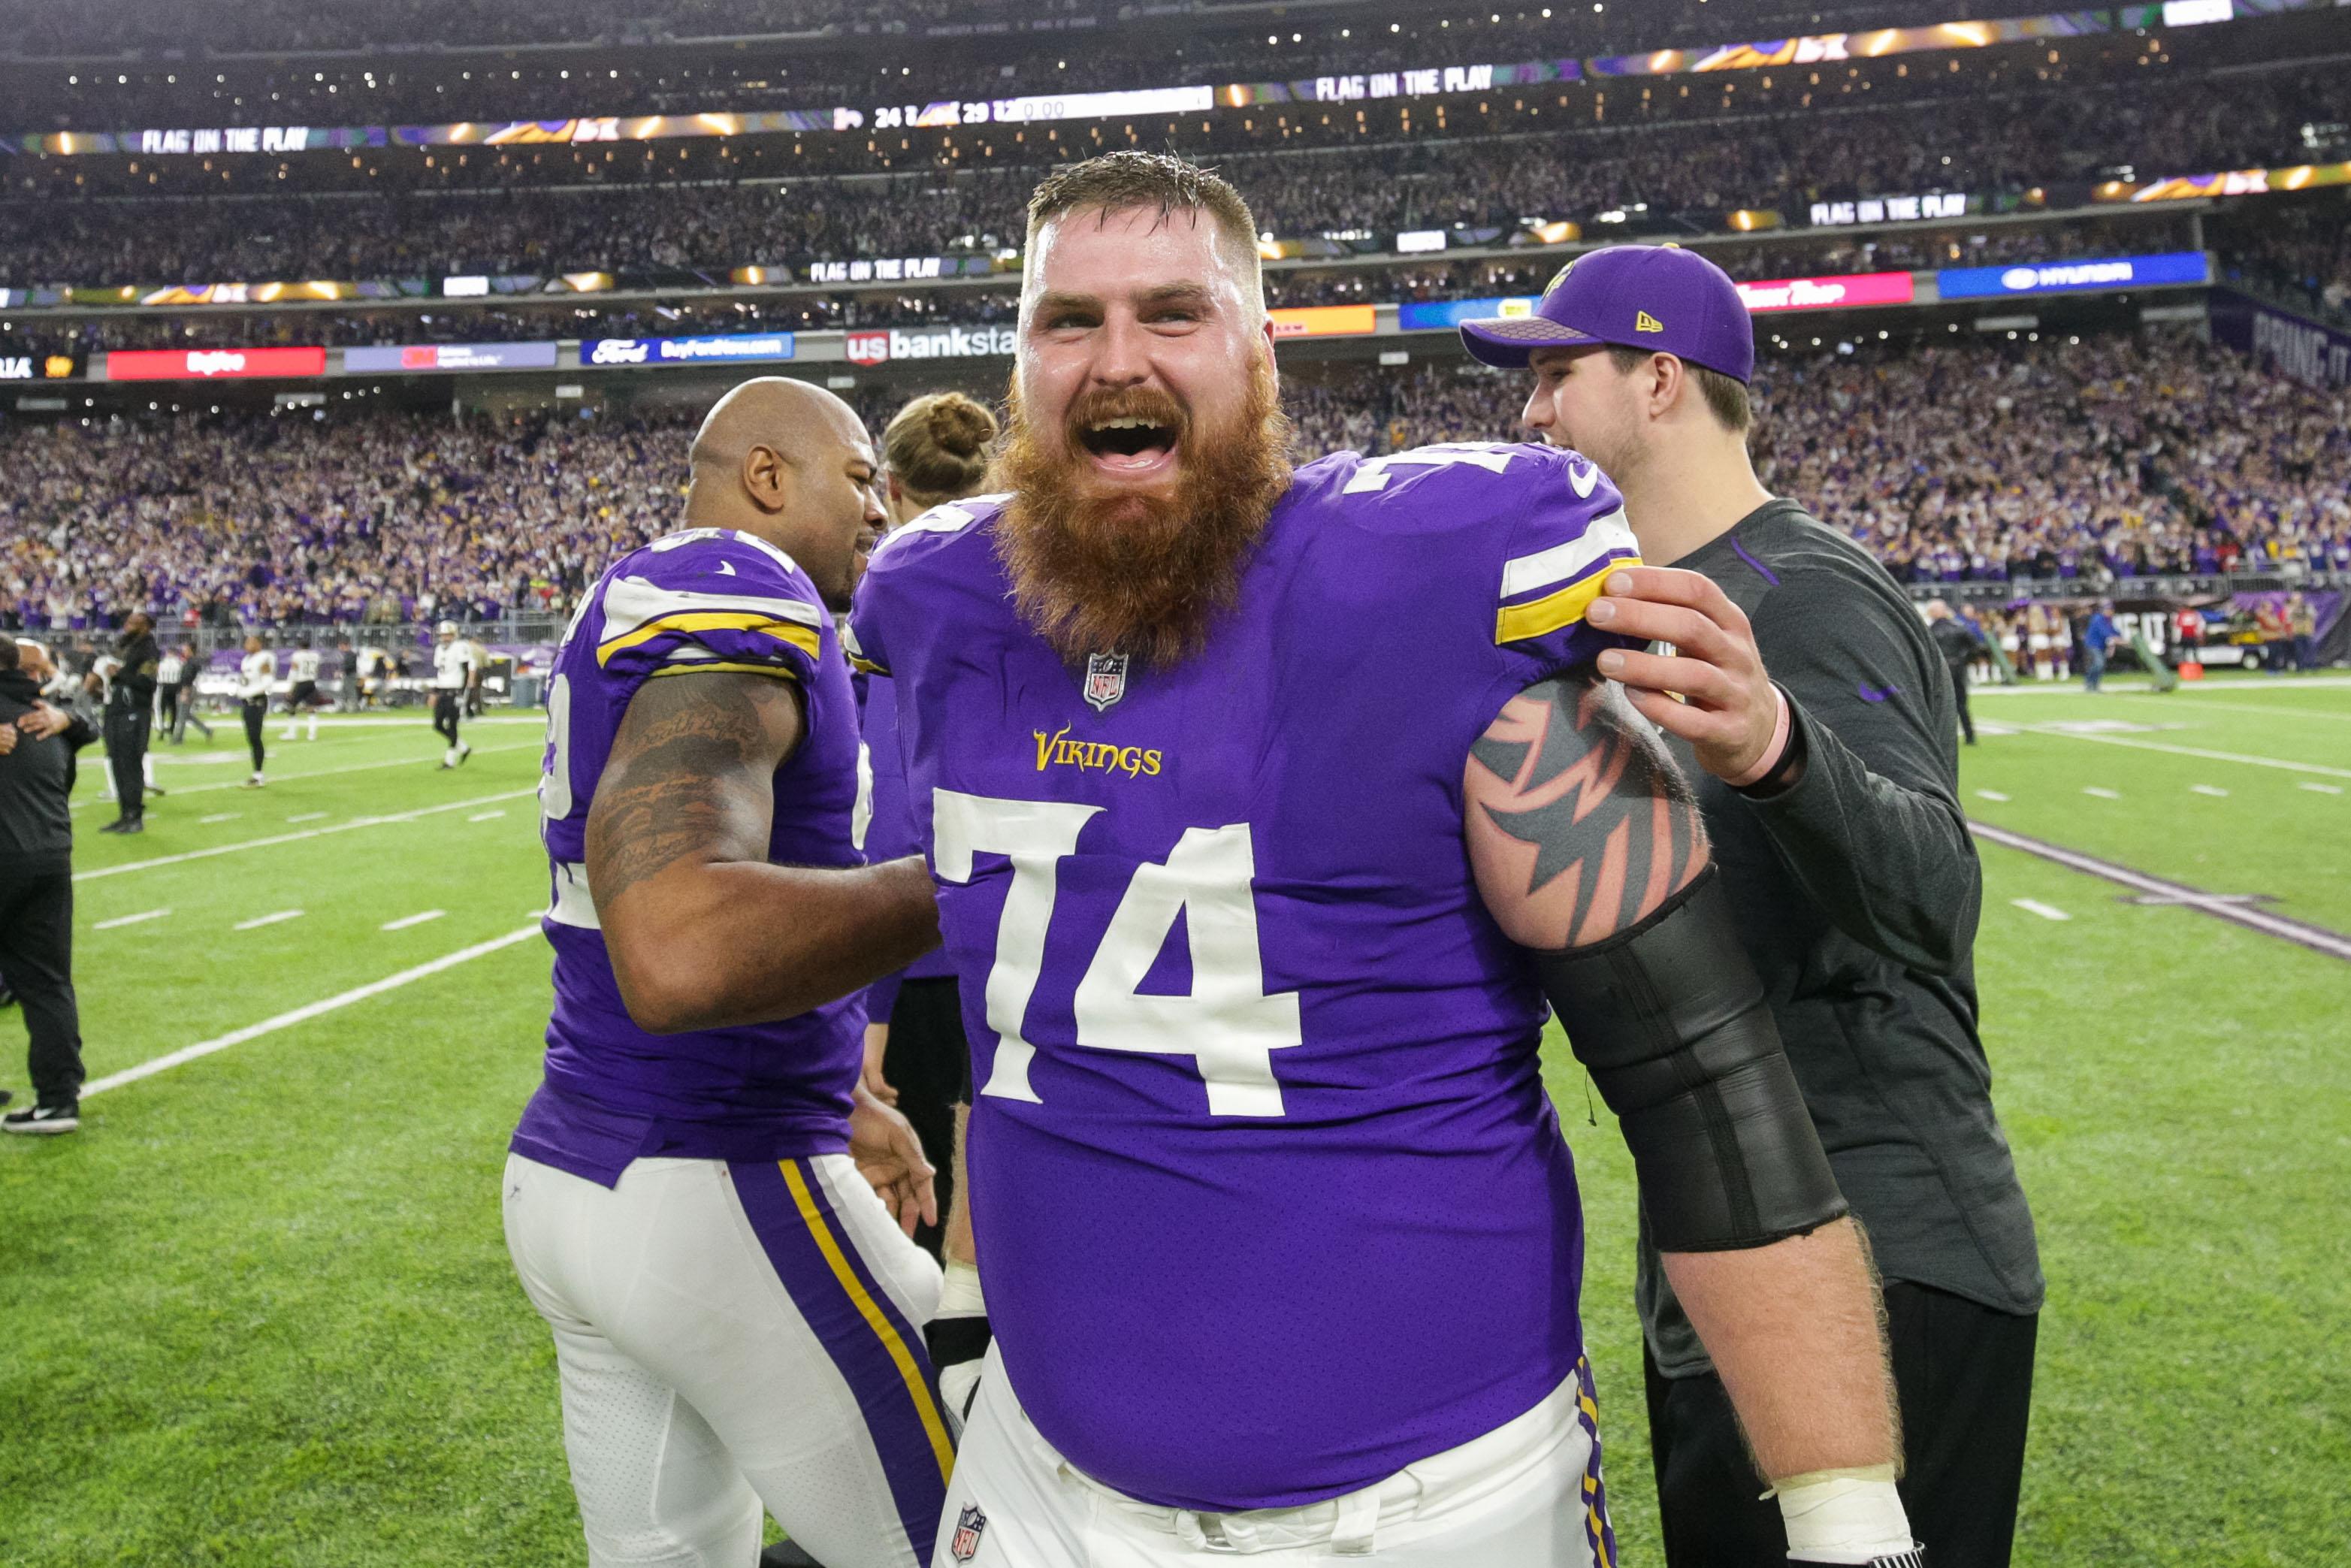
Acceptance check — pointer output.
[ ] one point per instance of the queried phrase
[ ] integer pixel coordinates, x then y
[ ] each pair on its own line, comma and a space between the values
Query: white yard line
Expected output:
2102, 794
2264, 709
2208, 789
2194, 752
421, 761
2034, 907
404, 922
483, 816
2320, 789
2223, 906
261, 920
304, 1014
308, 817
1993, 795
97, 871
130, 919
218, 817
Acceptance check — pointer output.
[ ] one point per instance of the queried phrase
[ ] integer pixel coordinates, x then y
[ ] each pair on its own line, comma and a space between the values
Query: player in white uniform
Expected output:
304, 698
453, 671
254, 675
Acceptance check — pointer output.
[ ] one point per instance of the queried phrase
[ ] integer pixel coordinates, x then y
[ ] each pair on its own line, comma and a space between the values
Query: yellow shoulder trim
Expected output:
1542, 616
775, 671
801, 637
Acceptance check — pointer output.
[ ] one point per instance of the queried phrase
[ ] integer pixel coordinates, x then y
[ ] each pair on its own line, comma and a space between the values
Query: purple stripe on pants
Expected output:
893, 1421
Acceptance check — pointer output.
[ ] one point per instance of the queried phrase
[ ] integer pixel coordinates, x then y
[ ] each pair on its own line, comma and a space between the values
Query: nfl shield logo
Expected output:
969, 1526
1105, 679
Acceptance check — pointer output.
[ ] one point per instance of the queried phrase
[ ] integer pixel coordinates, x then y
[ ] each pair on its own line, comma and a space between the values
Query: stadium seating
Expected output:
1977, 461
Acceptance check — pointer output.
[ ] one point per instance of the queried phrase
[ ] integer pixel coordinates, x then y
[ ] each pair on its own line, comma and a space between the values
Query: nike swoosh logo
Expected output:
1870, 693
1584, 480
726, 568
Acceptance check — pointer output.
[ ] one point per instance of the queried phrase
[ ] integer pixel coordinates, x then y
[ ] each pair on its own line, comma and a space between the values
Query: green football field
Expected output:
258, 1310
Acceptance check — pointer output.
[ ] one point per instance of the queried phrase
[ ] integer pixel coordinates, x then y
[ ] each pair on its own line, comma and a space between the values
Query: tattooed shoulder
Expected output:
1579, 825
690, 777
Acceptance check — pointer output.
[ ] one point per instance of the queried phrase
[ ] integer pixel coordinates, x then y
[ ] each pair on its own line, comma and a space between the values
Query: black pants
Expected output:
256, 713
37, 955
929, 1065
444, 715
1964, 1372
126, 756
1960, 696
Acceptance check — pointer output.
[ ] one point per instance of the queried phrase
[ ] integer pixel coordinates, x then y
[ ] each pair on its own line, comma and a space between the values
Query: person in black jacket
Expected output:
130, 711
1816, 718
37, 743
1958, 646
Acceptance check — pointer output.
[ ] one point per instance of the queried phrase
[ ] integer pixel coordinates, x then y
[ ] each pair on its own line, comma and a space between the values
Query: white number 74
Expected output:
1228, 1025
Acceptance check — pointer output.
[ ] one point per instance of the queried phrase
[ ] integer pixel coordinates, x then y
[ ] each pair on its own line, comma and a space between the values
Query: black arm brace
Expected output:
1669, 1018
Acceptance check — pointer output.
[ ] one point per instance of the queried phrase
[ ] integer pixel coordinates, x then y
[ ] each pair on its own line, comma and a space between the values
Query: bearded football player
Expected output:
1266, 810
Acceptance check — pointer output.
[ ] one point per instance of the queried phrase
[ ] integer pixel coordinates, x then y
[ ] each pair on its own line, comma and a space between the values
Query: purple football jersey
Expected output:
701, 600
890, 827
1272, 1200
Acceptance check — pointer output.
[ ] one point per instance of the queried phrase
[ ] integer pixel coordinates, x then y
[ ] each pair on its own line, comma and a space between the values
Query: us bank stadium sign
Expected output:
929, 343
731, 348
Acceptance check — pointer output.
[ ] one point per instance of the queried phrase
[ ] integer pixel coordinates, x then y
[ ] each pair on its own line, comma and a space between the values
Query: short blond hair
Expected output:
1128, 178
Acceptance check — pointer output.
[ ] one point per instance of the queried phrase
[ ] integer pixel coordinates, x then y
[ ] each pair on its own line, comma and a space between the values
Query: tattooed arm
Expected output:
702, 931
1588, 850
1580, 826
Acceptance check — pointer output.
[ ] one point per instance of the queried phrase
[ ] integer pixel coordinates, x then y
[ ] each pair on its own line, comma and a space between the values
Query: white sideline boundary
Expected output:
420, 763
187, 1054
97, 871
2194, 752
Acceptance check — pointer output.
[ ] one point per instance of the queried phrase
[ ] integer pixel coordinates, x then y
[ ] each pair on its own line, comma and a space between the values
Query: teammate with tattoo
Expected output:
1279, 1240
703, 1201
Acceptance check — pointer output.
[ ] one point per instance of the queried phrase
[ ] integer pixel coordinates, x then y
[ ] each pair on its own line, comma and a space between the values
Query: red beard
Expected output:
1145, 573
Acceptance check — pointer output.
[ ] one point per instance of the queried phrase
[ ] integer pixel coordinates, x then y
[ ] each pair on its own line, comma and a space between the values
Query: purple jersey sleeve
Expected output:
1569, 533
709, 600
866, 636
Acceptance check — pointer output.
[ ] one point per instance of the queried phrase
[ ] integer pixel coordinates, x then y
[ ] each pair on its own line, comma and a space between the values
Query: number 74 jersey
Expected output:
1271, 1198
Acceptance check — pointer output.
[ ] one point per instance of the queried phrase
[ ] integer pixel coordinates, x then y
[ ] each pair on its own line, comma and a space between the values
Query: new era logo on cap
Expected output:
1644, 322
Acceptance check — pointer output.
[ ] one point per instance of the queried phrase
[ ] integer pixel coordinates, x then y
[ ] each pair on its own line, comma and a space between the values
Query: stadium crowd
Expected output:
1805, 255
287, 26
2102, 459
2096, 460
1984, 144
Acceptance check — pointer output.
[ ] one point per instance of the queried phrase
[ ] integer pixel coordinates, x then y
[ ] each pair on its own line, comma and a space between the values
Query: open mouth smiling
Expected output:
1129, 445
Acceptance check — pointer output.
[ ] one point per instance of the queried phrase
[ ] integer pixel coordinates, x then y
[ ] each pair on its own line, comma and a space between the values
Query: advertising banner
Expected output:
1432, 315
2290, 345
400, 356
2225, 182
926, 343
1829, 293
212, 364
2071, 277
1824, 47
16, 368
1323, 321
732, 349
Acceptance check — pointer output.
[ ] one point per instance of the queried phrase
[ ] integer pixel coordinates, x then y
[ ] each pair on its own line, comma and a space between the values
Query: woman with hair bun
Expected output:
934, 451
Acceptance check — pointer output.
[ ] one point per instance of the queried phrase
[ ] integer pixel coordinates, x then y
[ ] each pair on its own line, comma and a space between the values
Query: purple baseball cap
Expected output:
1635, 296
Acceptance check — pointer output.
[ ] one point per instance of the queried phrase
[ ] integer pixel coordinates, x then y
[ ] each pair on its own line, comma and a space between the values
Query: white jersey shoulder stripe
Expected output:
685, 537
951, 517
632, 601
1603, 537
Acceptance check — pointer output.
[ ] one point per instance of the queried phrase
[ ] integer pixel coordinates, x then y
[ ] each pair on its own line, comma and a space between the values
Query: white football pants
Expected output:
1528, 1494
735, 1334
